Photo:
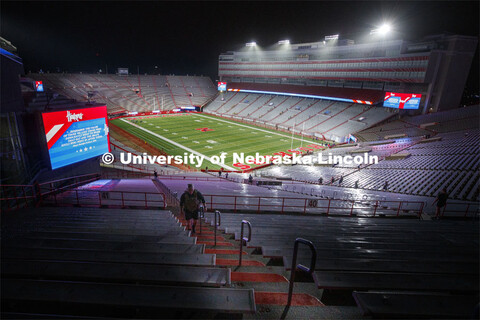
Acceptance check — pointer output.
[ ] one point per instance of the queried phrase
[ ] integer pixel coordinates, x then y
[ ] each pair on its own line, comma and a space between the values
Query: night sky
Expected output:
187, 37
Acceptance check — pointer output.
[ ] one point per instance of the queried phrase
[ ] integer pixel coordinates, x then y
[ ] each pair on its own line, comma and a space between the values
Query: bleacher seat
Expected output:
141, 93
308, 115
436, 261
91, 262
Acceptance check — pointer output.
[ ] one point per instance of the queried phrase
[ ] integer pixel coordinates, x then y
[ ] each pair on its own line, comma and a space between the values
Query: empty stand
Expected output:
132, 93
334, 119
385, 263
110, 263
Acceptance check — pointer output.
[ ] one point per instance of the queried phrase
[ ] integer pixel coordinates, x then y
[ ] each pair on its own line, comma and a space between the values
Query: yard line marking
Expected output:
177, 144
241, 125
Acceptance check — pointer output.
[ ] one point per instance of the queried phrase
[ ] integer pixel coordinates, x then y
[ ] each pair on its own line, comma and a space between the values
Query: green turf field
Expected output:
220, 135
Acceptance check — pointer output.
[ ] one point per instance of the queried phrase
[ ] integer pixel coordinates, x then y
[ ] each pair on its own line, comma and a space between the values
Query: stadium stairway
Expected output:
91, 262
376, 264
269, 281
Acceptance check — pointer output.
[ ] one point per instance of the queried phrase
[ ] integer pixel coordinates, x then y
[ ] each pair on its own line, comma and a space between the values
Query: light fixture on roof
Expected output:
382, 30
284, 42
251, 44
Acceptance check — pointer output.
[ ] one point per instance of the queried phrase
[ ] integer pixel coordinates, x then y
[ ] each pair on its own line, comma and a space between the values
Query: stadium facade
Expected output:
436, 67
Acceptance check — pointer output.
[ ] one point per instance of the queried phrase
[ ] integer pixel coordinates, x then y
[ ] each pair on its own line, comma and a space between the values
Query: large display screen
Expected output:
38, 86
222, 86
402, 100
76, 135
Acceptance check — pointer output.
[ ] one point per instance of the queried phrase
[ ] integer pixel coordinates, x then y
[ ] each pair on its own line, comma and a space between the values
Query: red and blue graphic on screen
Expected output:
39, 86
402, 100
76, 135
222, 86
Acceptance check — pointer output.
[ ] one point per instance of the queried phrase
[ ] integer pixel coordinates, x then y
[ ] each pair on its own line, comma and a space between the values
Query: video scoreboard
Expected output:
222, 86
76, 135
39, 86
402, 100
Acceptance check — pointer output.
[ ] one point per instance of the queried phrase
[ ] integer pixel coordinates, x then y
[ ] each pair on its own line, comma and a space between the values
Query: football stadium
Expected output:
157, 165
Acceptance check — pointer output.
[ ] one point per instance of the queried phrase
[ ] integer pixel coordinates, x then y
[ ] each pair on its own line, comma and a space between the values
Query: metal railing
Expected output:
171, 196
301, 267
244, 239
458, 210
216, 225
64, 192
98, 198
201, 216
314, 205
180, 177
14, 197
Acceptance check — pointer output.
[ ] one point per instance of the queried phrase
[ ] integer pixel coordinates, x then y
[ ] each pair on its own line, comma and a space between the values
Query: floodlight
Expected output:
284, 42
251, 44
384, 29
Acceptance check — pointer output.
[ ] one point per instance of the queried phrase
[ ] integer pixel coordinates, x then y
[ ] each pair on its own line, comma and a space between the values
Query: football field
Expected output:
210, 136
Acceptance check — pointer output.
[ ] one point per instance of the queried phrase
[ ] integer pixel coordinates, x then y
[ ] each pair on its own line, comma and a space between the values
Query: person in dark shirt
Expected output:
189, 202
441, 202
385, 186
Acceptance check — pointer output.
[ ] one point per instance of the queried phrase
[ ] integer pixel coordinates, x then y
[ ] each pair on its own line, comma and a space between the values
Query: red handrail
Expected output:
465, 211
180, 177
143, 198
292, 204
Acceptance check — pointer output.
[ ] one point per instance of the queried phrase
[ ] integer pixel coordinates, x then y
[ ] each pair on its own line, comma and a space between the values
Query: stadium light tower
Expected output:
251, 44
283, 42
